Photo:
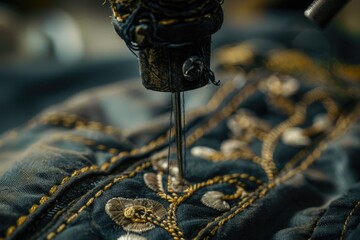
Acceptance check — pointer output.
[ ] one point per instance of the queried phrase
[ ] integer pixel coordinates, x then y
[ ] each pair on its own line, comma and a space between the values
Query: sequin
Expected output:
233, 145
203, 152
154, 181
213, 199
130, 213
178, 186
322, 122
162, 165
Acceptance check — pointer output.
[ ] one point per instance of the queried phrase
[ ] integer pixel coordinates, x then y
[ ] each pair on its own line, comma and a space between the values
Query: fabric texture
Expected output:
271, 154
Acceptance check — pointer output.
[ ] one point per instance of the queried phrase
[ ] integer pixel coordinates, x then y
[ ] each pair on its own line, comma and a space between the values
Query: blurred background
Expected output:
51, 50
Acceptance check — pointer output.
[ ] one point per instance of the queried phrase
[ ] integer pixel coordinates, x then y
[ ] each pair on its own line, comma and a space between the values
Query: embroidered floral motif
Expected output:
154, 181
134, 215
213, 199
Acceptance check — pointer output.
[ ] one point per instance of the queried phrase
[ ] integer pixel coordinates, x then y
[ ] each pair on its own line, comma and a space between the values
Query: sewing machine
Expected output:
173, 41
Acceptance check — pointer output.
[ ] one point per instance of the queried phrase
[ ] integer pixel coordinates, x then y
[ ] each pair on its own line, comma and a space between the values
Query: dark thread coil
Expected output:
185, 22
166, 34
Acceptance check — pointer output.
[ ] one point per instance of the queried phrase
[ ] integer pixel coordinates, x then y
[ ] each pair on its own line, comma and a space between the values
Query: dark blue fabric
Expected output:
60, 170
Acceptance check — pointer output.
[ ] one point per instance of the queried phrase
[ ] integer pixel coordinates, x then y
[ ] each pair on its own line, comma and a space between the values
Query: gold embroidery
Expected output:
245, 125
296, 62
343, 123
176, 199
213, 104
235, 55
284, 105
154, 181
297, 118
357, 205
295, 137
130, 213
70, 120
214, 199
347, 72
216, 156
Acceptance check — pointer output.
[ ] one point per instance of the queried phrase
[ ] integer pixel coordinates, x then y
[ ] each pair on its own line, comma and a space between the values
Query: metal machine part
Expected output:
323, 11
178, 109
174, 69
173, 38
168, 35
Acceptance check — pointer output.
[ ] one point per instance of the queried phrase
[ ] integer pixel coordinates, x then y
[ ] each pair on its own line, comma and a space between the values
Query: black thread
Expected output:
142, 15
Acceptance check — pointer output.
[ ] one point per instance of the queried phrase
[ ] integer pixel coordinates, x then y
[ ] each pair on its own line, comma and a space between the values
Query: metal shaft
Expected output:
322, 11
178, 109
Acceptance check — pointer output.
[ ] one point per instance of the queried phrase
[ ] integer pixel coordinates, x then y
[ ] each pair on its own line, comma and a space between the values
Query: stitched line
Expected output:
97, 195
228, 110
66, 120
342, 126
297, 118
297, 63
224, 113
348, 220
69, 120
236, 156
72, 120
333, 112
242, 202
233, 156
176, 200
191, 190
89, 142
285, 105
21, 220
316, 223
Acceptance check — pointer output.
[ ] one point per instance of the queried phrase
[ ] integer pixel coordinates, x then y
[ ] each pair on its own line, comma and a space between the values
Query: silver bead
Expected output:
203, 152
233, 145
295, 137
322, 122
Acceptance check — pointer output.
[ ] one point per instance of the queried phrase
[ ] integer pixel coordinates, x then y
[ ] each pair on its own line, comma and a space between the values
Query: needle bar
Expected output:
178, 109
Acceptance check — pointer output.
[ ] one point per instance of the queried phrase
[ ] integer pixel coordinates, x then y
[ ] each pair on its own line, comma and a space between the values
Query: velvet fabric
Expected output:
59, 172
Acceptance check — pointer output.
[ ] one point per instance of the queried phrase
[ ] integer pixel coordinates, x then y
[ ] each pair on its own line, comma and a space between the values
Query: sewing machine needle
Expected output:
178, 107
